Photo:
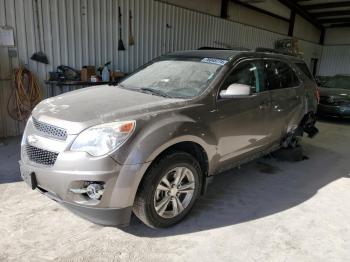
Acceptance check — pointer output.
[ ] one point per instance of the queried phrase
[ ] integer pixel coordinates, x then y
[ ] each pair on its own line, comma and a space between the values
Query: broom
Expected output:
131, 37
39, 56
120, 42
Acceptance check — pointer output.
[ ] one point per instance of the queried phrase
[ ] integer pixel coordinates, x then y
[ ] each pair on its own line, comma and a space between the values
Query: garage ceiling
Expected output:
321, 13
330, 13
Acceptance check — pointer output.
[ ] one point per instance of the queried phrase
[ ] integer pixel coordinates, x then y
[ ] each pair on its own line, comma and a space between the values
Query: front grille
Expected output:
50, 130
41, 156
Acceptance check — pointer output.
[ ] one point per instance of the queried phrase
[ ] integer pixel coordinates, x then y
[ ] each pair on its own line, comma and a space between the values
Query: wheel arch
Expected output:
191, 147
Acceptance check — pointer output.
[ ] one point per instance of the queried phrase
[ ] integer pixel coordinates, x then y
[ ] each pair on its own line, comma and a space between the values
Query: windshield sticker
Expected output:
214, 61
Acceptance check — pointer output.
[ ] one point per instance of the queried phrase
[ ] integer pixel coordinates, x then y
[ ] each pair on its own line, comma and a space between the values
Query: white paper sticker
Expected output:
214, 61
6, 36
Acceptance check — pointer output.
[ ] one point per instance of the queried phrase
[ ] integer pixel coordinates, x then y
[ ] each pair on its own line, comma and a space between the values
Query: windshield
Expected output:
338, 82
175, 78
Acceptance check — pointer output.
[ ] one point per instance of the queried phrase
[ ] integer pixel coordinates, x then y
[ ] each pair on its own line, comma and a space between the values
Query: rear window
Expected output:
303, 67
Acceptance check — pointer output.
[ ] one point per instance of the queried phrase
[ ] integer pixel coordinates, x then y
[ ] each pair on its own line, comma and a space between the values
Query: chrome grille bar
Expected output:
50, 130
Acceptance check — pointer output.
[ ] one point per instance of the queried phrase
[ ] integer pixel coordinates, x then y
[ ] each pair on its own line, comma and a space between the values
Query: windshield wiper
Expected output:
155, 92
120, 85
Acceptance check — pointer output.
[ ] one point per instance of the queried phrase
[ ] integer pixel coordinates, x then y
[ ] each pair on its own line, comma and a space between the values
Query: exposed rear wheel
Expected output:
169, 190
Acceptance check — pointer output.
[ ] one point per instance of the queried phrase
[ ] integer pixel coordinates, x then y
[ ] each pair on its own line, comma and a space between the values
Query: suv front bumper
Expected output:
72, 170
59, 172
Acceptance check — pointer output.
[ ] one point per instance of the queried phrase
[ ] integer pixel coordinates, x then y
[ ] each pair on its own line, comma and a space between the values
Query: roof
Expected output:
228, 54
212, 53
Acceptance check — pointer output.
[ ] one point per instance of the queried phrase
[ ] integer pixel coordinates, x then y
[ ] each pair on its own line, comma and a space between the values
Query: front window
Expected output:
342, 82
175, 78
250, 73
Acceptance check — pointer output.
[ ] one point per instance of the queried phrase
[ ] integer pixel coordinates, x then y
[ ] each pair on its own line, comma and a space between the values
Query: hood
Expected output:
83, 108
325, 91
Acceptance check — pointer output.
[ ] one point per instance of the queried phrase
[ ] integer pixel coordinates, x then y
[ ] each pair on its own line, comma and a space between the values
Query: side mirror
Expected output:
236, 90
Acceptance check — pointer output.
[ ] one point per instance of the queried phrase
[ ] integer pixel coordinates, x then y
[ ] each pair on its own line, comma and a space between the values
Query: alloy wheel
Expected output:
174, 192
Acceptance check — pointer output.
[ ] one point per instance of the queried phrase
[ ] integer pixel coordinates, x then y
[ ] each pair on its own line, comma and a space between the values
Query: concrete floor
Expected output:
266, 211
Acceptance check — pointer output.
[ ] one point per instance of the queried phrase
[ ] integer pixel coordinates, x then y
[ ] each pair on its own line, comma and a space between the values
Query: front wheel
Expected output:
169, 190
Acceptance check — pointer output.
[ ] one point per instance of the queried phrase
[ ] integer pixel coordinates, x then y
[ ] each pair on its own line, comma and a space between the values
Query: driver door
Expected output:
242, 126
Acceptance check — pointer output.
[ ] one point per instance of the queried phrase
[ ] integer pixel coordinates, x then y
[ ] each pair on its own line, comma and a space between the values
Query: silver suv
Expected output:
150, 144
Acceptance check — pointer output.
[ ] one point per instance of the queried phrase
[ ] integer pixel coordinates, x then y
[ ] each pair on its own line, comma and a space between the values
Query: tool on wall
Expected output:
131, 37
120, 42
39, 56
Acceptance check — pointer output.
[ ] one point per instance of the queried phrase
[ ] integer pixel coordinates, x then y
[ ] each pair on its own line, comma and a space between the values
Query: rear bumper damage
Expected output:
307, 125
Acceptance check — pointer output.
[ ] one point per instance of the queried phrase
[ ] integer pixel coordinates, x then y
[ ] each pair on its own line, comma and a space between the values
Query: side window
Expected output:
249, 73
273, 81
280, 75
303, 67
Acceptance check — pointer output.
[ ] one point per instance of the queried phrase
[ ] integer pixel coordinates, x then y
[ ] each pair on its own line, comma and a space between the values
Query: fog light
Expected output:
93, 191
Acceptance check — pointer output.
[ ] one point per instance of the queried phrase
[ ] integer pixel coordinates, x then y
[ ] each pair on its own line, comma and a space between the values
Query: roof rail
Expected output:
221, 48
275, 51
211, 48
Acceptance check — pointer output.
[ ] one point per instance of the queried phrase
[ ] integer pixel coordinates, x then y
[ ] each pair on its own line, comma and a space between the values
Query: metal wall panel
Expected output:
310, 50
335, 60
85, 32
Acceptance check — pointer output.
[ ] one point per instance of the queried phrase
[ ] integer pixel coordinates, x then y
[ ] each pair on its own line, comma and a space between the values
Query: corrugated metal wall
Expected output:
310, 50
85, 32
335, 60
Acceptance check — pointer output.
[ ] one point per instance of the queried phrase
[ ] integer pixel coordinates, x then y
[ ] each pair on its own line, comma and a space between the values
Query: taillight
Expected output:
317, 93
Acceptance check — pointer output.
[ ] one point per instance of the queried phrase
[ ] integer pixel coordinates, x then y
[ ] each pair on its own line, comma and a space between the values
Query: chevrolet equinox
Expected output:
150, 144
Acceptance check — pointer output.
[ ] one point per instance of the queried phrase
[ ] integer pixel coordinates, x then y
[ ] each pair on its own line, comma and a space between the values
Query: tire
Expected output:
150, 194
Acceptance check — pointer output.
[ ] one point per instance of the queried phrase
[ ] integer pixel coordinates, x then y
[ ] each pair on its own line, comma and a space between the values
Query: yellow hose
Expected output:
25, 95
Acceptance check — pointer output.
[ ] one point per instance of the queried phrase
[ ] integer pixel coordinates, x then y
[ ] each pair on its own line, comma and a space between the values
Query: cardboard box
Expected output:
115, 75
87, 72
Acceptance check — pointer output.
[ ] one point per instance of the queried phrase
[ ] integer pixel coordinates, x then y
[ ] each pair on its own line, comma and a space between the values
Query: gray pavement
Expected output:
268, 210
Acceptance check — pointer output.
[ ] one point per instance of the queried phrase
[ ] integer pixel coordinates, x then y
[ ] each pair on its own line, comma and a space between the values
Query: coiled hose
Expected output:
25, 95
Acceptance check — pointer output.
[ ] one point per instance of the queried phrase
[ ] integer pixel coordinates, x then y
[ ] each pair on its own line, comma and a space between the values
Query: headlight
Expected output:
102, 139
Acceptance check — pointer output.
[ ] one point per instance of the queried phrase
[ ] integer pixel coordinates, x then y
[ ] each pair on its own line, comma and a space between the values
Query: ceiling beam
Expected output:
291, 23
335, 20
224, 9
260, 10
332, 13
300, 11
339, 25
327, 5
322, 36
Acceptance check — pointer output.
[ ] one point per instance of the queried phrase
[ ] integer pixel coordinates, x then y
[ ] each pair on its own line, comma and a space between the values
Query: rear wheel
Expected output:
169, 190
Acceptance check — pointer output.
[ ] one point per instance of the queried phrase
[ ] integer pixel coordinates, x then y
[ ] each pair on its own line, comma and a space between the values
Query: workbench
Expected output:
66, 86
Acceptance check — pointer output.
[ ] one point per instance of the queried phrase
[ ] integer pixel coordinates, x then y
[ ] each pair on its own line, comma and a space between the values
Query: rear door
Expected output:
283, 84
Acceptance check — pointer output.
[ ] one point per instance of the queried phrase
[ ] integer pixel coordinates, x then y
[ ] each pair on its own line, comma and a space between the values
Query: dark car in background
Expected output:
335, 97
